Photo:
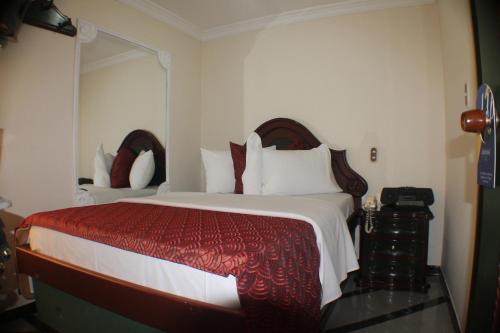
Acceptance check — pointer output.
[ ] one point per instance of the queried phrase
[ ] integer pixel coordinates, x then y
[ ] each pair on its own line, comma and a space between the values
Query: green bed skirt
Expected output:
68, 314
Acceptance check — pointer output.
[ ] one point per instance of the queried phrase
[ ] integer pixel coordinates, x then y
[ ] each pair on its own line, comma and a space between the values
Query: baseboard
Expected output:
451, 303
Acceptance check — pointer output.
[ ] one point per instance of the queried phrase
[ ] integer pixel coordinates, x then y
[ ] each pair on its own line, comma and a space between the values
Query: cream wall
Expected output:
116, 100
37, 82
461, 152
36, 153
36, 107
36, 118
357, 81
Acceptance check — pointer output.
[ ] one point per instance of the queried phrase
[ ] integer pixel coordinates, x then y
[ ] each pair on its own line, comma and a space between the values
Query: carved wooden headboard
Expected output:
144, 140
287, 134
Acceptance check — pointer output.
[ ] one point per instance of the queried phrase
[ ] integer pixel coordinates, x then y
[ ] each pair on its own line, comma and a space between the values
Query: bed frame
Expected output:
163, 310
287, 134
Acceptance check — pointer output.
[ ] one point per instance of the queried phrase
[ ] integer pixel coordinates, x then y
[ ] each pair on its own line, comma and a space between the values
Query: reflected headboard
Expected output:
144, 140
287, 134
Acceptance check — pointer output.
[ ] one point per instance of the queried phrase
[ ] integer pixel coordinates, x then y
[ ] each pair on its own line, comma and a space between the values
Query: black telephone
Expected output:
407, 196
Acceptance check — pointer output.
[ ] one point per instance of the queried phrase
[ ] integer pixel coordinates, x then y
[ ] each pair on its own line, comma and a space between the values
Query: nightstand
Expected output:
394, 255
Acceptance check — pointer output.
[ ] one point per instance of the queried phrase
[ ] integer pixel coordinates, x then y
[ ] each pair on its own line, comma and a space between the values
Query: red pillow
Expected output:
120, 169
238, 153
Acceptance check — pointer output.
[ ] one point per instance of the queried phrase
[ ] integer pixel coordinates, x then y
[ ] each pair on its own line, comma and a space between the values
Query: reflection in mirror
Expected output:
122, 88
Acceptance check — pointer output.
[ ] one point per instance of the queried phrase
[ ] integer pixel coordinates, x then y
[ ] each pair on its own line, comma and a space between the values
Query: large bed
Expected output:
159, 292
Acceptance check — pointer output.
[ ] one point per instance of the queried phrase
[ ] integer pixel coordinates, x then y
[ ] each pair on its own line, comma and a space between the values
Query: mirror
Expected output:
121, 86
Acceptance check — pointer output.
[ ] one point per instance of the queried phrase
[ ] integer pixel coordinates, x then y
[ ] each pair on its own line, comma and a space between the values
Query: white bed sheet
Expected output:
326, 212
93, 195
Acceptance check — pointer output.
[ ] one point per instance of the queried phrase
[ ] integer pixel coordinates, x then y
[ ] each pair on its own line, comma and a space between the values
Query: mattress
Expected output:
94, 195
326, 212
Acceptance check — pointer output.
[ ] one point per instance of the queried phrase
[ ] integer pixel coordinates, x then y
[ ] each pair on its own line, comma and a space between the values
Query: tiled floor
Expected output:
18, 325
359, 311
21, 320
383, 311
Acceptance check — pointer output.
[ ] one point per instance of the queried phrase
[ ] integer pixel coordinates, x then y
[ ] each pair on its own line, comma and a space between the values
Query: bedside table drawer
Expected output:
398, 228
394, 269
395, 248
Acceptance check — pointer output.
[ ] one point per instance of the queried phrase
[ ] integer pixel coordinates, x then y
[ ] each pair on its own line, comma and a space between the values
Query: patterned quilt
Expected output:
275, 260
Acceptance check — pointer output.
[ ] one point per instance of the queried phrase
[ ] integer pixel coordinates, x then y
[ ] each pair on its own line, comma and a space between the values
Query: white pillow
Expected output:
102, 167
219, 171
252, 176
142, 171
298, 172
108, 159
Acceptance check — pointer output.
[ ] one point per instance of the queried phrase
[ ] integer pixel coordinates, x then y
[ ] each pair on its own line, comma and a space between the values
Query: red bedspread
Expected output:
275, 260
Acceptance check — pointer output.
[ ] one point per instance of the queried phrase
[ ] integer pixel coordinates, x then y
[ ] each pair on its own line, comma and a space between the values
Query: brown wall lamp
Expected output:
475, 121
484, 120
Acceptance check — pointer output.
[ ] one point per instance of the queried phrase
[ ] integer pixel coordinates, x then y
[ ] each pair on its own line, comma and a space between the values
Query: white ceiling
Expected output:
207, 14
209, 19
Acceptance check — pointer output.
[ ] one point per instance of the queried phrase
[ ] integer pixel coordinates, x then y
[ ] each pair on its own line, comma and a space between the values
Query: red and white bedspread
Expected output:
278, 248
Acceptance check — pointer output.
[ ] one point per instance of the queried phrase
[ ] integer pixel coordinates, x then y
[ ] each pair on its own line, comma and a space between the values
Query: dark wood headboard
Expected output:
287, 134
144, 140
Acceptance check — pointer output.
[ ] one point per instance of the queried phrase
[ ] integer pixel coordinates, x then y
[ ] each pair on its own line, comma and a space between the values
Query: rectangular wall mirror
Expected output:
121, 113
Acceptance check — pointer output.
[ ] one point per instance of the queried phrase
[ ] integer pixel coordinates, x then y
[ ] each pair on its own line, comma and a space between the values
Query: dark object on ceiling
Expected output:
44, 14
40, 13
11, 17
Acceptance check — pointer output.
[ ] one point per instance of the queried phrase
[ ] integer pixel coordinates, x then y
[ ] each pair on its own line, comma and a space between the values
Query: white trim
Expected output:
453, 301
87, 31
165, 61
161, 13
112, 60
76, 103
138, 43
305, 14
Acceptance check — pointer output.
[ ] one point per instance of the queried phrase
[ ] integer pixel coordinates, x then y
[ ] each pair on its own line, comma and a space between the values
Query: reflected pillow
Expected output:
219, 171
102, 167
142, 171
108, 159
120, 169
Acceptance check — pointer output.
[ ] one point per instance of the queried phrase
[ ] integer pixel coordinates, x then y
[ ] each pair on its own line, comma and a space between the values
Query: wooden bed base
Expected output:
165, 311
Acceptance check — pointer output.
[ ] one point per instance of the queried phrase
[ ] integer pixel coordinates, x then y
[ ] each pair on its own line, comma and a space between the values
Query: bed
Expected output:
213, 311
88, 194
136, 141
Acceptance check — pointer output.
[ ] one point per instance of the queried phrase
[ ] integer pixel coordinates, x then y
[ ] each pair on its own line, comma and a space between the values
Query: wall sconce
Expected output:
484, 121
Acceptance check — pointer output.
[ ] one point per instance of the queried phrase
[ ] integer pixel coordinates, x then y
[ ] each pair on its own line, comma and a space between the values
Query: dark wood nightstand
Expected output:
394, 254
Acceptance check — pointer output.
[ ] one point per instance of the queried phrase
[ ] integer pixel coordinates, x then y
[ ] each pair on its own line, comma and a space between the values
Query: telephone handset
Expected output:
370, 206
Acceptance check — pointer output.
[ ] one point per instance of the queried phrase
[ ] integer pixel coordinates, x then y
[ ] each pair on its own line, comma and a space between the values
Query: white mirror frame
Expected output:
87, 32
